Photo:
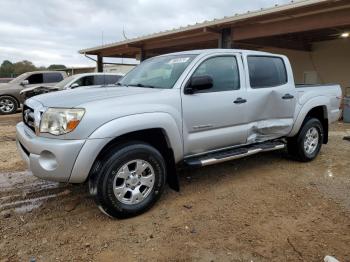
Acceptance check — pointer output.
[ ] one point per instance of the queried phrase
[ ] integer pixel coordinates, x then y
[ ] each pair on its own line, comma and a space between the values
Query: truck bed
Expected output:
329, 93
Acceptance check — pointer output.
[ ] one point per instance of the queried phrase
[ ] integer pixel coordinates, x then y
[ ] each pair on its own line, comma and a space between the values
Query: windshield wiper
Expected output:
142, 85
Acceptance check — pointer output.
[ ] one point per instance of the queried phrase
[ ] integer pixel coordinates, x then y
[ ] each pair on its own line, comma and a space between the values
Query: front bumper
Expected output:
50, 159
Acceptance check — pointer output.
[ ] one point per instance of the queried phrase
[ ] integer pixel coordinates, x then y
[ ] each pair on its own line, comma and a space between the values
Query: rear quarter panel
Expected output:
310, 97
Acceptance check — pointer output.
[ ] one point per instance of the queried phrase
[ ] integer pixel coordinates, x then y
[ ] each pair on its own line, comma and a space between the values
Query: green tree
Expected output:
41, 68
56, 67
23, 67
6, 69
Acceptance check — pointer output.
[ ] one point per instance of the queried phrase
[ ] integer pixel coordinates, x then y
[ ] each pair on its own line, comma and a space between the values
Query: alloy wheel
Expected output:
133, 182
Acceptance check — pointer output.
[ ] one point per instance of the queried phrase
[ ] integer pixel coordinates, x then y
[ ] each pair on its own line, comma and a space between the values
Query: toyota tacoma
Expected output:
193, 108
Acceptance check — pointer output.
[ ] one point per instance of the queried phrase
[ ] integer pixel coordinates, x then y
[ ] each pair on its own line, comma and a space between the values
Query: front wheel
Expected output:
129, 181
307, 144
8, 105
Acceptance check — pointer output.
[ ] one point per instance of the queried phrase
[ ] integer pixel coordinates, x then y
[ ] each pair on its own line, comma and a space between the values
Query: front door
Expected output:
215, 118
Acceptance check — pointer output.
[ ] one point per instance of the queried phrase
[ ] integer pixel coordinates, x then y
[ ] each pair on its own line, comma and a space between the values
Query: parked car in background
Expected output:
5, 80
74, 81
193, 108
10, 99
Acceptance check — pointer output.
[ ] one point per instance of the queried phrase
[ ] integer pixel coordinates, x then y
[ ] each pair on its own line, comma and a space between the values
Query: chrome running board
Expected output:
227, 155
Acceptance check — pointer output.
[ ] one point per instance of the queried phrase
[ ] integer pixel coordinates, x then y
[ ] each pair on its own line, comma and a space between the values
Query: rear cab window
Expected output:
266, 71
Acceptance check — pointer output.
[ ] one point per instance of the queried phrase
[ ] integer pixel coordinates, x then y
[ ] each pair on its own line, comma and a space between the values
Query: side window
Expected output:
224, 72
85, 81
52, 77
79, 82
35, 79
265, 71
99, 79
112, 79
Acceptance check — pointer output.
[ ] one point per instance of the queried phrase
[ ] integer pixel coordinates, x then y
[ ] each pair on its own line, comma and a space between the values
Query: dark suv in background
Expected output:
10, 99
71, 82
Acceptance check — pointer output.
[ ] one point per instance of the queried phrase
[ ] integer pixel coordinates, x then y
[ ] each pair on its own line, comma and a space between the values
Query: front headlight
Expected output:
59, 121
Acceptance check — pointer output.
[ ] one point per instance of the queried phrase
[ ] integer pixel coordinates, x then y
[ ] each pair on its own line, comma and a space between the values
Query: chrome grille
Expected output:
28, 117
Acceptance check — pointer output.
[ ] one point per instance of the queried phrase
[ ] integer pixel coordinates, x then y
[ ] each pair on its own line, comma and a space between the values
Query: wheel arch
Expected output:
156, 137
158, 129
315, 108
12, 96
320, 113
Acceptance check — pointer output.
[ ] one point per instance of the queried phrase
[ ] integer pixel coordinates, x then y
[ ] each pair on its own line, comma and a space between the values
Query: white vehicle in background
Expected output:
74, 81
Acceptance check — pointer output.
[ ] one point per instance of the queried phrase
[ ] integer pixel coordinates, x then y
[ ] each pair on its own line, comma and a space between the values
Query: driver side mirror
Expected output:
24, 83
75, 85
198, 83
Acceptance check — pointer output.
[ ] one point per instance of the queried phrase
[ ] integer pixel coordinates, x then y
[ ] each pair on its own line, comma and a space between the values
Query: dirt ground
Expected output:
263, 208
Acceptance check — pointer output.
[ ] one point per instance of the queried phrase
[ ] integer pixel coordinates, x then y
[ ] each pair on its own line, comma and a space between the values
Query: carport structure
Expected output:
313, 33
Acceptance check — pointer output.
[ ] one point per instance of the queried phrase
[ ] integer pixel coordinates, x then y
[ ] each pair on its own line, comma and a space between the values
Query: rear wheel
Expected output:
8, 105
130, 180
307, 144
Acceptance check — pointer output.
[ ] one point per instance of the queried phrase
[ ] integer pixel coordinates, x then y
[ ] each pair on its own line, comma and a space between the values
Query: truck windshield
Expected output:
158, 72
18, 78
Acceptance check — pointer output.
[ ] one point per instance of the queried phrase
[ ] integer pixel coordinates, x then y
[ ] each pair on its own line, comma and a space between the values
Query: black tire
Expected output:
101, 184
296, 146
8, 105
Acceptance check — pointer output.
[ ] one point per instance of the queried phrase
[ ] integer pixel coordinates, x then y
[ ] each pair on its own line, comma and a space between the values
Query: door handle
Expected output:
240, 100
287, 96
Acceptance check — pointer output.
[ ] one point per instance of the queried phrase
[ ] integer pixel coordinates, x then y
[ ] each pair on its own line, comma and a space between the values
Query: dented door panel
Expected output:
272, 109
271, 116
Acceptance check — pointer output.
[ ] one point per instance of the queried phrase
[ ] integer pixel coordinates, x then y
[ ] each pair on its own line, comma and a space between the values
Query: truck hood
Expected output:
79, 96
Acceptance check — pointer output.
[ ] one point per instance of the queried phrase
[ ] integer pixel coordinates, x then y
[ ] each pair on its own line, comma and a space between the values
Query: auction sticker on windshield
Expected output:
178, 60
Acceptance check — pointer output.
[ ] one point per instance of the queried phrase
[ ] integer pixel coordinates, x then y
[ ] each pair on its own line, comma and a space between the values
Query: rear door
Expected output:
214, 118
99, 80
272, 94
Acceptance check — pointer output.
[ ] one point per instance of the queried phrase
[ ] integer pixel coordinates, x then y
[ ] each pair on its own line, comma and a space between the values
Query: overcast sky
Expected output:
52, 31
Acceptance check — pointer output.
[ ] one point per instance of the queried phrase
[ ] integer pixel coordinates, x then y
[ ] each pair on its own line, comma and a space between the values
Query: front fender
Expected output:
305, 109
137, 122
121, 126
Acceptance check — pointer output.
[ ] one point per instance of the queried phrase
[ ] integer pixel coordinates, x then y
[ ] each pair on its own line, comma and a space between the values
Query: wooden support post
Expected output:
99, 64
142, 55
225, 40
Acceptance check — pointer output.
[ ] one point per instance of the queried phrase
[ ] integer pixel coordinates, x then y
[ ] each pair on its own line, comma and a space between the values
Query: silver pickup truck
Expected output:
192, 108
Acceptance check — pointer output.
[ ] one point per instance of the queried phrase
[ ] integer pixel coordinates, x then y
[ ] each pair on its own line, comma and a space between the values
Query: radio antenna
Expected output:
124, 35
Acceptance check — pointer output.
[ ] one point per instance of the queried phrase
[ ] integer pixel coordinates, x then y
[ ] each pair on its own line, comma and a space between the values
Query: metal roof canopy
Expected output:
293, 26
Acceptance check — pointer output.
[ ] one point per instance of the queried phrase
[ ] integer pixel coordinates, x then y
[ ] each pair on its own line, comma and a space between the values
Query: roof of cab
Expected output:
217, 50
97, 73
